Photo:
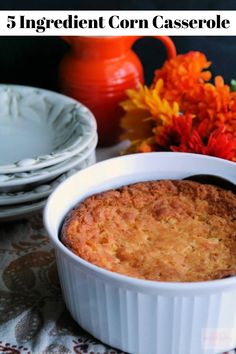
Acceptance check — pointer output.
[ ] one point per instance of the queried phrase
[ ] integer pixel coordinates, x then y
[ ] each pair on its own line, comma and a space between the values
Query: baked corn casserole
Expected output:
176, 231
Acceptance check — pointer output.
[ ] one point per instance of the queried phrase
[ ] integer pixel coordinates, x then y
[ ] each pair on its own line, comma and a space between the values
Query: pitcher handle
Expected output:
168, 43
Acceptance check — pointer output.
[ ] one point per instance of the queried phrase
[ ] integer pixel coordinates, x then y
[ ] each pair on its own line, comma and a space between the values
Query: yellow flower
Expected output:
149, 99
144, 109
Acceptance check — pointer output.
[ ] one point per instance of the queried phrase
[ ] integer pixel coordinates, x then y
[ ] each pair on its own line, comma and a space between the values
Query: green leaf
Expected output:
233, 85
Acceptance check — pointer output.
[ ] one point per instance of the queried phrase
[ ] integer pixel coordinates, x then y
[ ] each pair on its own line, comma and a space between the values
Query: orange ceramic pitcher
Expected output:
97, 71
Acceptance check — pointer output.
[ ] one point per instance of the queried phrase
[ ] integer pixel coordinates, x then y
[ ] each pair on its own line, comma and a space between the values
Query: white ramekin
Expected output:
138, 316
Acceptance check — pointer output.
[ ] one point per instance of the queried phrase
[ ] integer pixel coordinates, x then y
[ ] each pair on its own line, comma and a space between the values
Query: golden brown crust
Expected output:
162, 230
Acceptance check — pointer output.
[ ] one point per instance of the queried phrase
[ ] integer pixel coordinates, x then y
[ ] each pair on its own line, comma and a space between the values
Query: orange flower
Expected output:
213, 102
182, 136
221, 144
208, 100
175, 134
182, 111
181, 73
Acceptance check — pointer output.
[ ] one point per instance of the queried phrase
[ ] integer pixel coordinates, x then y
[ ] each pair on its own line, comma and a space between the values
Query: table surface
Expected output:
33, 317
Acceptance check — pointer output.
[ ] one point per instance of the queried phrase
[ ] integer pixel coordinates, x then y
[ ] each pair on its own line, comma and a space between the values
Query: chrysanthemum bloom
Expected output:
213, 102
145, 110
183, 136
181, 111
182, 73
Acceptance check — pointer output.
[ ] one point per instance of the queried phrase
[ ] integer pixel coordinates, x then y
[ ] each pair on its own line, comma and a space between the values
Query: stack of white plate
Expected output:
44, 138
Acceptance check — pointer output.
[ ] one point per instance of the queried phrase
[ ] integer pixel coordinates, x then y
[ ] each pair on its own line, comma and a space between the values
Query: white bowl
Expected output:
40, 128
43, 190
25, 180
34, 201
140, 316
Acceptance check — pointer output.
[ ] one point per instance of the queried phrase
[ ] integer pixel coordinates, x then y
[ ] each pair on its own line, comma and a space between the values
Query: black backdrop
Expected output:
34, 60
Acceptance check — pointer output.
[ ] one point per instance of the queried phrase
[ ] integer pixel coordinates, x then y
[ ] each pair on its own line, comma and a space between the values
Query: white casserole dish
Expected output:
139, 316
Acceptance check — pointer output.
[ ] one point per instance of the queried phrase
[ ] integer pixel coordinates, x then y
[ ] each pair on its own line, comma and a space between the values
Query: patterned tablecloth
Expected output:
33, 317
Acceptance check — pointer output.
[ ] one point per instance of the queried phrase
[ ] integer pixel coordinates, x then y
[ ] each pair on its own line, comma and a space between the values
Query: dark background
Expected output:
34, 60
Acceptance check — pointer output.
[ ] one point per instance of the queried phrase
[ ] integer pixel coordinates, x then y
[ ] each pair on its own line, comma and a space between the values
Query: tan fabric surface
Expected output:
33, 317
